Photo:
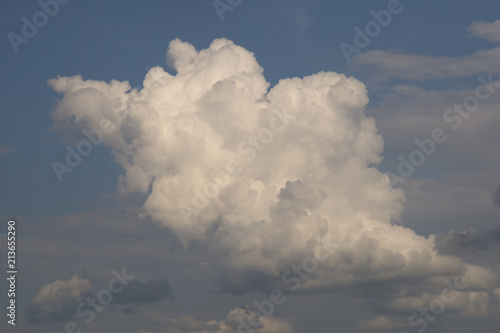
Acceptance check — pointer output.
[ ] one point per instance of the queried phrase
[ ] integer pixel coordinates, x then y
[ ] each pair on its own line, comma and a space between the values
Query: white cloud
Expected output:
311, 176
485, 30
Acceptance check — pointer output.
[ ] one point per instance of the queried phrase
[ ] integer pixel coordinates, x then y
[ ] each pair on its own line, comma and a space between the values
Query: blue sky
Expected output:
427, 59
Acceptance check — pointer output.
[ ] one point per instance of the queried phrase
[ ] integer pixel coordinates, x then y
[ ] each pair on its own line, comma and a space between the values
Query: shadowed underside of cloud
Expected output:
259, 175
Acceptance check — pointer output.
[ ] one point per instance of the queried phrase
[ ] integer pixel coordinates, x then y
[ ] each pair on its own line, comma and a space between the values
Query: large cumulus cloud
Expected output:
258, 175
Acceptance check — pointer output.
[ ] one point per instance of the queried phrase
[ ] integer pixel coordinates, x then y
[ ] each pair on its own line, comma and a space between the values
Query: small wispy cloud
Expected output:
485, 30
394, 65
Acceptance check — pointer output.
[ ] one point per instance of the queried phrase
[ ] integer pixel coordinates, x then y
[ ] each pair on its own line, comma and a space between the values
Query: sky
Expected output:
251, 166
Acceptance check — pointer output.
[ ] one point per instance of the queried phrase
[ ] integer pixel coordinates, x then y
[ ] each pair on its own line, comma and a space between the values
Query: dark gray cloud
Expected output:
129, 310
467, 240
36, 314
144, 293
241, 283
495, 196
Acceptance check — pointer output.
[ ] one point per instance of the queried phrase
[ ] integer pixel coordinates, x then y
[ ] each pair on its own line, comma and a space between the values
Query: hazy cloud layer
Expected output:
392, 65
301, 157
382, 323
395, 65
229, 324
406, 113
